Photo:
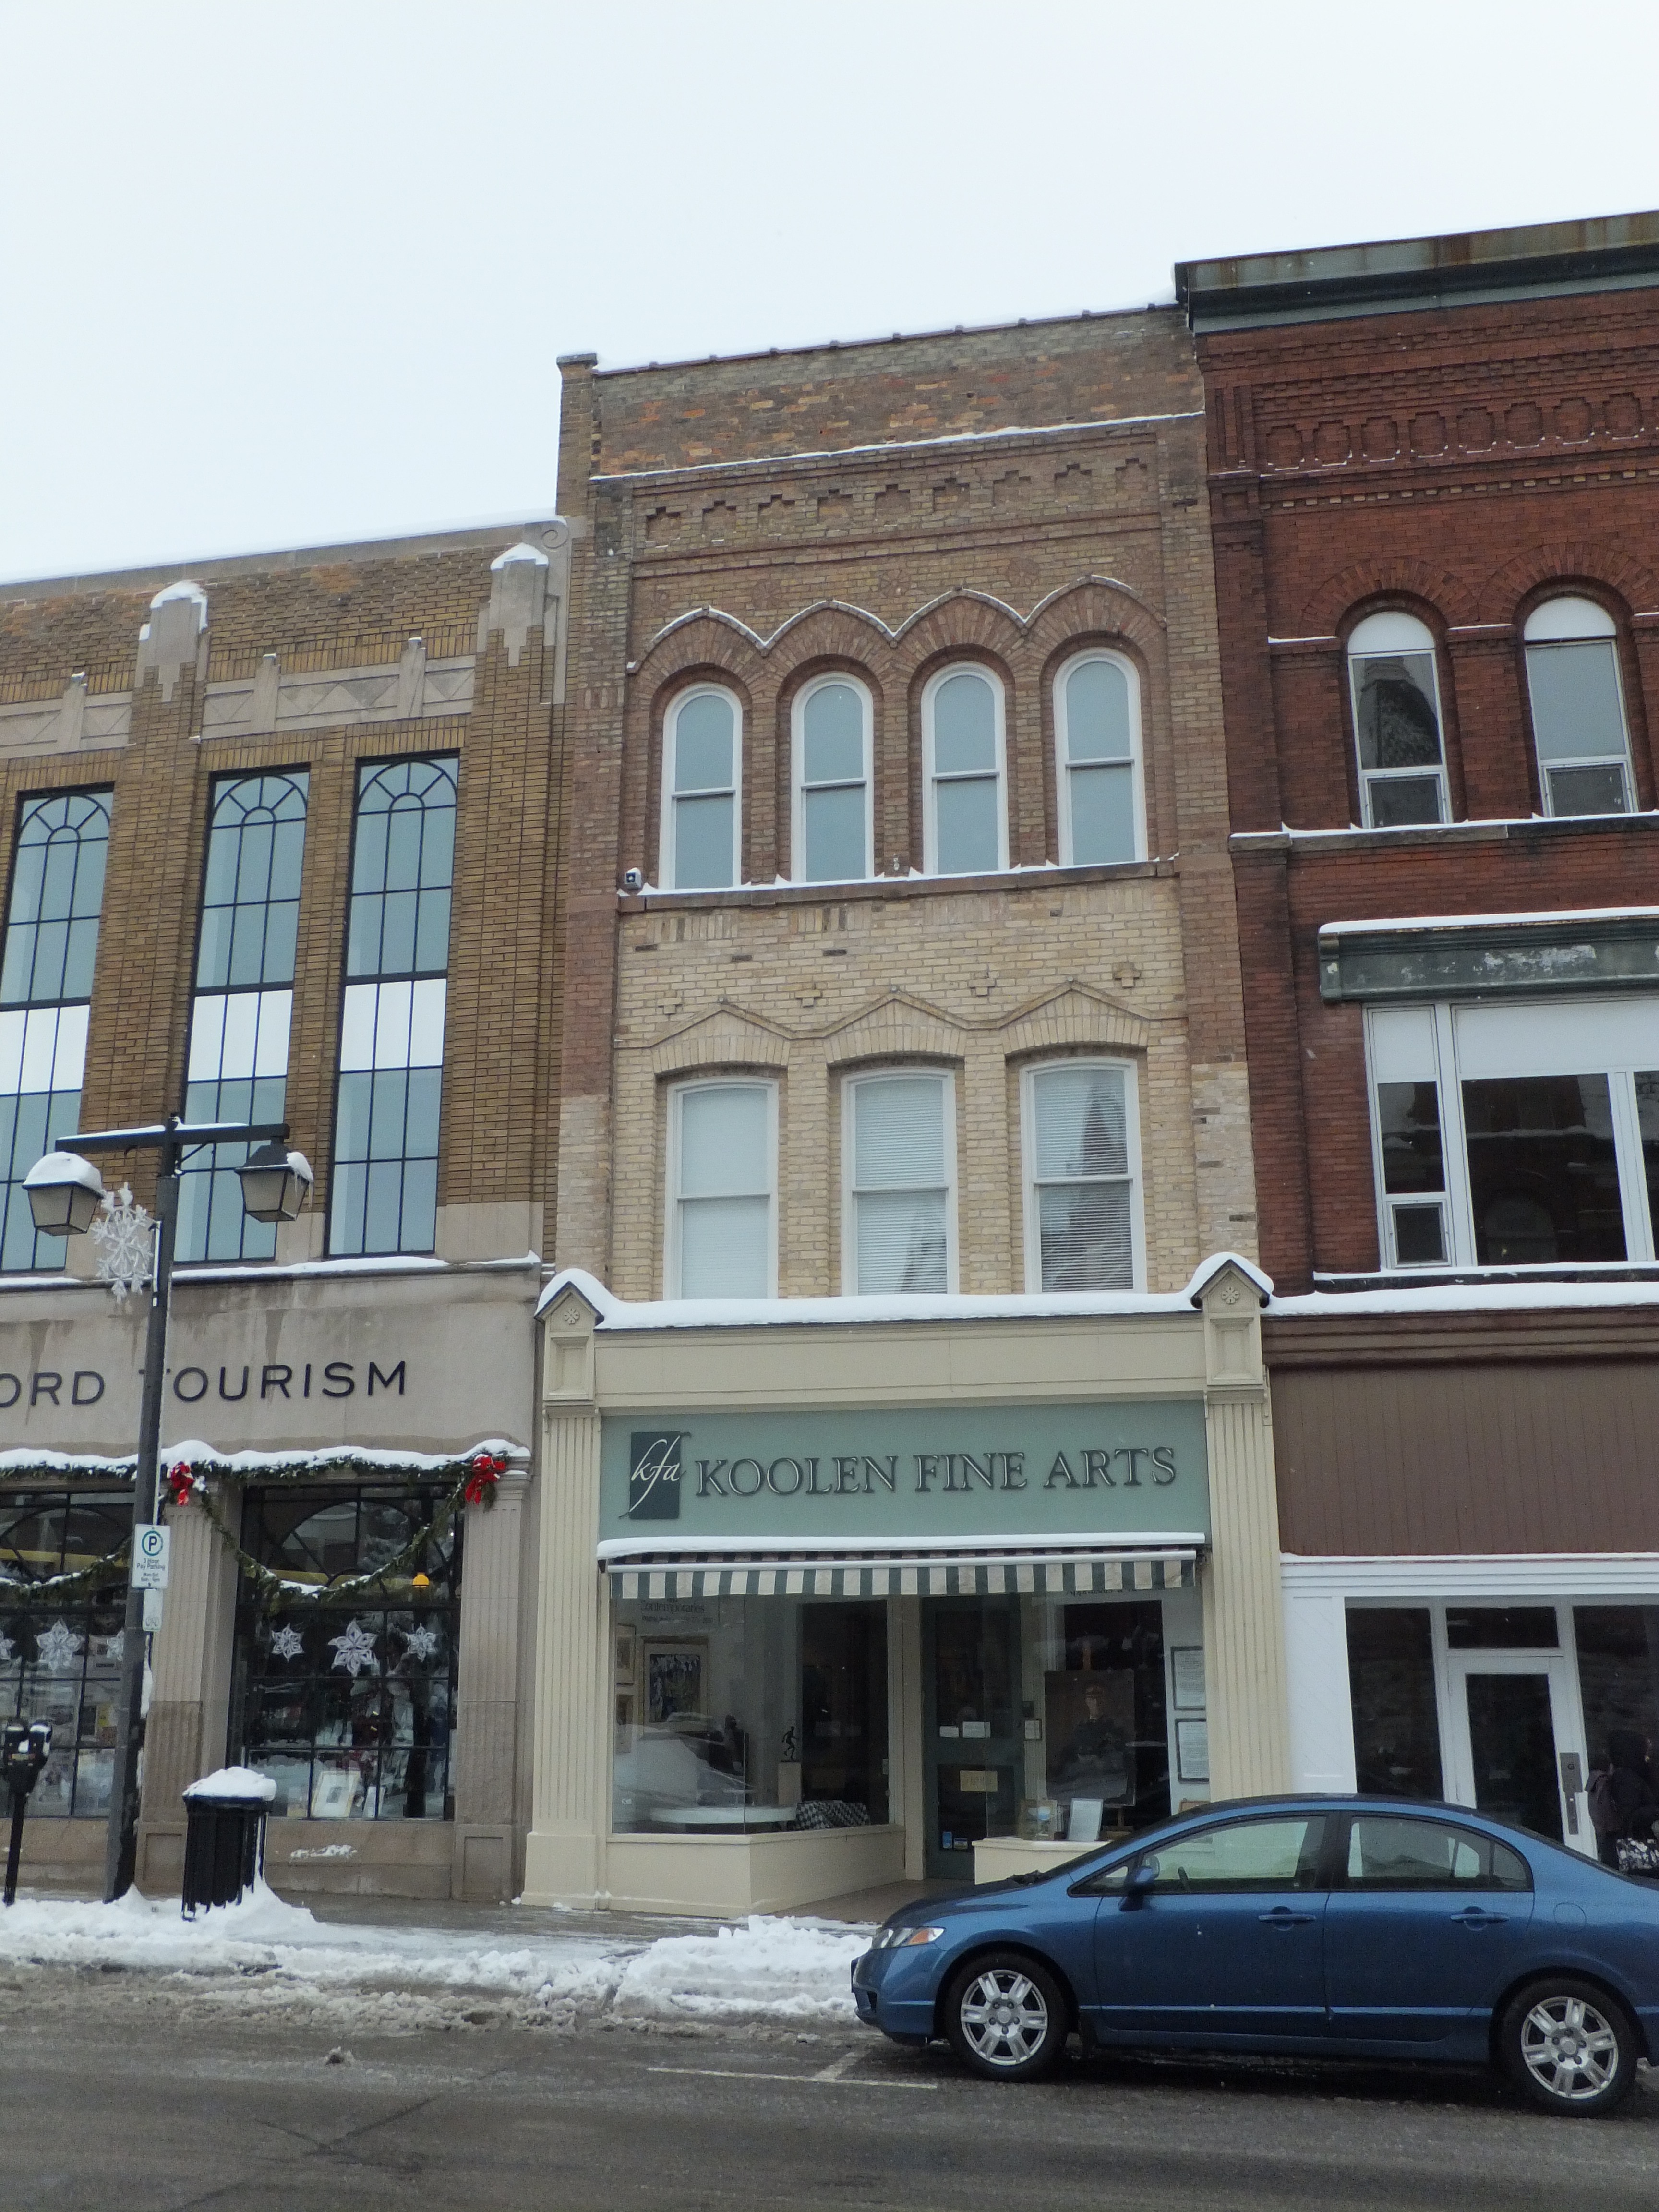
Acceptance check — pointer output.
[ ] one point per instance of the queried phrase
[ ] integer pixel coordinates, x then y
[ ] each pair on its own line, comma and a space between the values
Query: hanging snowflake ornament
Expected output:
354, 1650
287, 1643
58, 1649
420, 1642
124, 1243
8, 1649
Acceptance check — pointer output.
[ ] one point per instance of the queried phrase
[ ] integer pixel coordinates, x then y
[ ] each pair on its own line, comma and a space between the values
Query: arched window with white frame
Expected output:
722, 1229
965, 825
1578, 720
833, 829
1080, 1139
1395, 690
701, 786
1097, 745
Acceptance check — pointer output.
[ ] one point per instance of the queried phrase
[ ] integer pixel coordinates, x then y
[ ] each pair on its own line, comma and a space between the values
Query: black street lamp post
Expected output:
65, 1192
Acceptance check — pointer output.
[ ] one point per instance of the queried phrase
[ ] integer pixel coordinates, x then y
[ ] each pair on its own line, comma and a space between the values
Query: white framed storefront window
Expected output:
899, 1176
1080, 1142
722, 1238
832, 840
1515, 1135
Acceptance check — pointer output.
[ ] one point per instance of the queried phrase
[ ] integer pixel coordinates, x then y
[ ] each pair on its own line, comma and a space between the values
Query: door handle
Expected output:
1282, 1916
1475, 1915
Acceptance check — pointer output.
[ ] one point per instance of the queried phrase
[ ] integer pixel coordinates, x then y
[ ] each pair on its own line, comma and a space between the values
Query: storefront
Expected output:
840, 1593
349, 1495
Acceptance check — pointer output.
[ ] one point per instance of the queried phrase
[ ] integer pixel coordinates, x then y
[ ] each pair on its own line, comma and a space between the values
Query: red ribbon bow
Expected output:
182, 1483
487, 1472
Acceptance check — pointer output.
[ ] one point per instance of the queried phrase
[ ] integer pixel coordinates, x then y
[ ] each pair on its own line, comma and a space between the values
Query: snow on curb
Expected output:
767, 1970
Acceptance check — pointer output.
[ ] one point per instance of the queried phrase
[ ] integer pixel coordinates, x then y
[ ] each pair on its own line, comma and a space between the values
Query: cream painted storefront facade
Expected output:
839, 1593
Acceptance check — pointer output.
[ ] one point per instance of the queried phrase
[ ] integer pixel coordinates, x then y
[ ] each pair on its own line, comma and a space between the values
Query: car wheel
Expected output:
1569, 2046
1007, 2018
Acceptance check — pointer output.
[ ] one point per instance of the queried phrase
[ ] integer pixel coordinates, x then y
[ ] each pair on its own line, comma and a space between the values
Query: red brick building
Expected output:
1434, 484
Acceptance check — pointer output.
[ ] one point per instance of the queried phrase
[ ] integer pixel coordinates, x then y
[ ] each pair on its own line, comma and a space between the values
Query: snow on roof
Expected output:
1567, 916
519, 552
1466, 1298
53, 1168
184, 589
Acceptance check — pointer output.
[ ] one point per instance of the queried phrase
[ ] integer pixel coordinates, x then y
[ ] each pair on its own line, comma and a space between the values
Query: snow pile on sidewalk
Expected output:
771, 1969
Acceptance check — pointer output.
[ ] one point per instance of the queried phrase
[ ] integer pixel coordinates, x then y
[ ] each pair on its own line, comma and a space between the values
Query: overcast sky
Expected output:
287, 274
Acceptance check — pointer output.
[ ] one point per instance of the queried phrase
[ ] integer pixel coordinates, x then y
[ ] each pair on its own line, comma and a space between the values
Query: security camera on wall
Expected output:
633, 880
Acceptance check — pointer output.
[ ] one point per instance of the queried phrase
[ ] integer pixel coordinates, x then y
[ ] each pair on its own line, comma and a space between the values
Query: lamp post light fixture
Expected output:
65, 1192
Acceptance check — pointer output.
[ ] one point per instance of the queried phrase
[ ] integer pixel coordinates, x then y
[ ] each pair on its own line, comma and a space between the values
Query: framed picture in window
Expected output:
1193, 1750
626, 1647
674, 1676
1187, 1677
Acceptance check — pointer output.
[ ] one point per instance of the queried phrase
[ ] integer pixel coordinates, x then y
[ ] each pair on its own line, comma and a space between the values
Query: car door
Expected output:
1225, 1943
1424, 1919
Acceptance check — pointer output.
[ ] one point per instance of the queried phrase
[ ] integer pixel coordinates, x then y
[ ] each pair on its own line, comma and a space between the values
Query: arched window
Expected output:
1102, 807
1577, 708
702, 761
1082, 1145
832, 838
1396, 720
965, 830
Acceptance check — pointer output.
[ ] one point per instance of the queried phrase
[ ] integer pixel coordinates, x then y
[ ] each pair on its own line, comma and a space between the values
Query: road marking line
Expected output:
738, 2073
838, 2067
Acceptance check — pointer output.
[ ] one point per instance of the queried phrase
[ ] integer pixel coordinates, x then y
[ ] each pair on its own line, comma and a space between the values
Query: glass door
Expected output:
1516, 1748
973, 1738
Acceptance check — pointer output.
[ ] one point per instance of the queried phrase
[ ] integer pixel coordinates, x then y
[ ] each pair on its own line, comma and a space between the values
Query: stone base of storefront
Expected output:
65, 1854
726, 1876
432, 1859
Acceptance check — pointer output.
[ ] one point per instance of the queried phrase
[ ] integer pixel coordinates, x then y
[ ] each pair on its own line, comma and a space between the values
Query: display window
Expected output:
60, 1647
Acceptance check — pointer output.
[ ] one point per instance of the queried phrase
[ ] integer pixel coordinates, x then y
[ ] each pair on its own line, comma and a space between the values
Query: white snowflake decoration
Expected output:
115, 1646
287, 1643
422, 1642
124, 1243
59, 1648
356, 1648
8, 1649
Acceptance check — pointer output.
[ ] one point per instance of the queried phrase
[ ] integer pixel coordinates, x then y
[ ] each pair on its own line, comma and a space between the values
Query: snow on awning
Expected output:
919, 1574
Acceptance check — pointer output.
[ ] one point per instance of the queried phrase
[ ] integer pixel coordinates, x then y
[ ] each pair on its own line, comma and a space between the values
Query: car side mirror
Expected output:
1139, 1885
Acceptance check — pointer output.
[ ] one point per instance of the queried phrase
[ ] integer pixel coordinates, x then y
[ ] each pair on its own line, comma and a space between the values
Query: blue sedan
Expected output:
1357, 1926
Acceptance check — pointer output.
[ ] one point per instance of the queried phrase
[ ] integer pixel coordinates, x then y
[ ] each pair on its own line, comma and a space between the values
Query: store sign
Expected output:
1123, 1467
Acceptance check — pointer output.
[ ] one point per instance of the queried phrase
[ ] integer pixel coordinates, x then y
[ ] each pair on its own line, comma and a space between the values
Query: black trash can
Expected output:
224, 1837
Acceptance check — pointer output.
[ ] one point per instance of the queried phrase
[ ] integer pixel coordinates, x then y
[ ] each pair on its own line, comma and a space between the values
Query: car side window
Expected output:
1387, 1852
1242, 1855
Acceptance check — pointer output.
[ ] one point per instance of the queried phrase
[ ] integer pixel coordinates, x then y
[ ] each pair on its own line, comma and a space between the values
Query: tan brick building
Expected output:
904, 995
280, 840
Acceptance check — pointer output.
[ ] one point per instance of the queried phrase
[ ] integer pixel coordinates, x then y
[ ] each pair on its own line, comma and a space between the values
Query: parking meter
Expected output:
25, 1747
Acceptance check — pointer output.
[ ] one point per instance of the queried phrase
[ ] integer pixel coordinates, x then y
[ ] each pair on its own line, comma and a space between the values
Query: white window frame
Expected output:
678, 1092
1413, 637
798, 776
850, 1241
930, 781
667, 866
1601, 1036
1063, 768
1030, 1186
1547, 625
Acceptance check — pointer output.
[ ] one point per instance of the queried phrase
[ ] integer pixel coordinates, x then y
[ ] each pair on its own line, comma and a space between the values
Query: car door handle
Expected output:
1475, 1915
1282, 1916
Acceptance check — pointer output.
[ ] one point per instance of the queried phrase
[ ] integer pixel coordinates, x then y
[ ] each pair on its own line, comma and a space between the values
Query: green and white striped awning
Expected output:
915, 1575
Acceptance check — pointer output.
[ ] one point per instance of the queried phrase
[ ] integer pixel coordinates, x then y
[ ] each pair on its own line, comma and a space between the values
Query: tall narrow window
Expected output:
1102, 811
832, 781
46, 985
1083, 1163
702, 763
237, 1069
722, 1179
965, 832
1577, 708
391, 1019
899, 1149
1396, 720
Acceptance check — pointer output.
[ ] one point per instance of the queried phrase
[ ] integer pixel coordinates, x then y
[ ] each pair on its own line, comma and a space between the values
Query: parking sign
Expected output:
152, 1547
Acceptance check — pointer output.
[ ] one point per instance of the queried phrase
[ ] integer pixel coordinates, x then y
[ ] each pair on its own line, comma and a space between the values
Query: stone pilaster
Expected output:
487, 1698
189, 1707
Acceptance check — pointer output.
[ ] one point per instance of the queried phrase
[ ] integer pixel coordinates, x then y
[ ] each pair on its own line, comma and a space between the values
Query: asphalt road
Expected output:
115, 2098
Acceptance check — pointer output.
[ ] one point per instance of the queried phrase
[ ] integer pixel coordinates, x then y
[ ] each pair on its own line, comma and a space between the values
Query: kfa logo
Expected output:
653, 1476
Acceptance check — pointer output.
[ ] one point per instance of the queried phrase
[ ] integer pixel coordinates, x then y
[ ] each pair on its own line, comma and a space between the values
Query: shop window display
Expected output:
1396, 1731
60, 1650
1617, 1673
737, 1713
348, 1704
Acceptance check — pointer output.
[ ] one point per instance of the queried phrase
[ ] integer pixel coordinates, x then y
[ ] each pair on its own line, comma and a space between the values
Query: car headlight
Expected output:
896, 1939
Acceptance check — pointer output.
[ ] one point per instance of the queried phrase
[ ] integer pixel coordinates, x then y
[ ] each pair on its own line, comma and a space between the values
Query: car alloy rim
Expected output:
1004, 2016
1570, 2047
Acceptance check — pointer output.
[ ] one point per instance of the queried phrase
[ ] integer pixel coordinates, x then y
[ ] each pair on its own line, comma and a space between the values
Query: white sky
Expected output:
279, 275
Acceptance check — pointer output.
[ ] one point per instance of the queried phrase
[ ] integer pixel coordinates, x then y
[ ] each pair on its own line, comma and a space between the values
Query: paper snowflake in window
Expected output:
8, 1649
420, 1642
58, 1649
124, 1243
354, 1650
288, 1643
114, 1646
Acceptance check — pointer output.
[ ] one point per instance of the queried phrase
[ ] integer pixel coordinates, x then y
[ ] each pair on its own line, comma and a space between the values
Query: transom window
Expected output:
1517, 1136
702, 754
1577, 708
898, 1148
1083, 1230
722, 1186
1397, 724
45, 986
832, 831
1103, 808
965, 832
